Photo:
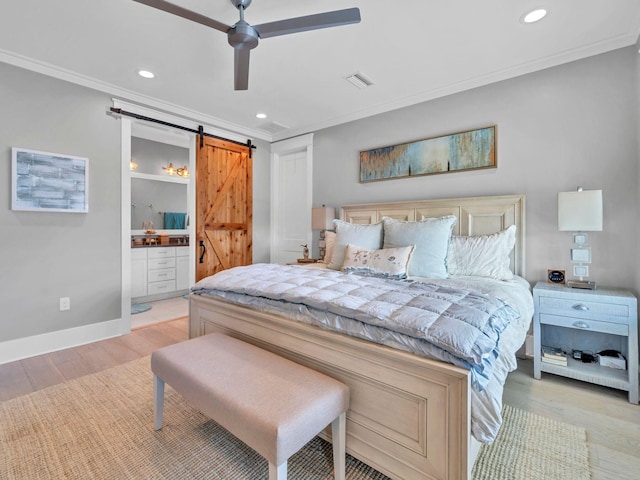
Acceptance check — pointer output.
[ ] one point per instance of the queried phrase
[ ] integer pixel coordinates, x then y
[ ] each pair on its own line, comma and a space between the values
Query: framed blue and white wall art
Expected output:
52, 182
456, 152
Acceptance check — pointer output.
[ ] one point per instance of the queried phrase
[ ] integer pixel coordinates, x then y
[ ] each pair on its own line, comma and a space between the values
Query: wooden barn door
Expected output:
223, 206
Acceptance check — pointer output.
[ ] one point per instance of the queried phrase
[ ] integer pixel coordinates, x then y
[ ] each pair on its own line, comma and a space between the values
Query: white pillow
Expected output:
483, 255
329, 242
385, 262
365, 236
430, 236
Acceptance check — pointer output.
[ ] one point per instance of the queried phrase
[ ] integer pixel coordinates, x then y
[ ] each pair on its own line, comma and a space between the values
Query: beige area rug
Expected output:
101, 427
531, 447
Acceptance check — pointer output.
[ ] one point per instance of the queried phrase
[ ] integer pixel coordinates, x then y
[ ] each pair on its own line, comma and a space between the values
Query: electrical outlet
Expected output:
65, 303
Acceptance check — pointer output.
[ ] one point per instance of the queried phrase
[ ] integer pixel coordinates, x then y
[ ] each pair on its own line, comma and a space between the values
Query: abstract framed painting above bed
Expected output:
411, 416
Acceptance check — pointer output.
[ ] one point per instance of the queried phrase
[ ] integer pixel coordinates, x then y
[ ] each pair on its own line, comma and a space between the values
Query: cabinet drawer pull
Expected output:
581, 324
581, 307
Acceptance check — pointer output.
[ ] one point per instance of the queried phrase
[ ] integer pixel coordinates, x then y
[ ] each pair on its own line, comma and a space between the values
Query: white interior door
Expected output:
291, 198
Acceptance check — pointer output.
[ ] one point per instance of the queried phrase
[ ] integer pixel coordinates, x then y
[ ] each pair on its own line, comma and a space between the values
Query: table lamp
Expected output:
580, 212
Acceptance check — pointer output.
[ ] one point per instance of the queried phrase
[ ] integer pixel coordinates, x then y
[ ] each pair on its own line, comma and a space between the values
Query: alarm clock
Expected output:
555, 276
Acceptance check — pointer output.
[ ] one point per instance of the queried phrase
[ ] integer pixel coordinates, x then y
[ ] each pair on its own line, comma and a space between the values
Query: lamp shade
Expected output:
580, 211
322, 218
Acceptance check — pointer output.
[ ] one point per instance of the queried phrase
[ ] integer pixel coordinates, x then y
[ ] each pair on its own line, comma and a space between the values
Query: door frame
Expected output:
303, 143
169, 135
140, 129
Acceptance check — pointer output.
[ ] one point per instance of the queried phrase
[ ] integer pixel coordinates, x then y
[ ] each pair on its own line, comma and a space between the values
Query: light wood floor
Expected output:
612, 424
31, 374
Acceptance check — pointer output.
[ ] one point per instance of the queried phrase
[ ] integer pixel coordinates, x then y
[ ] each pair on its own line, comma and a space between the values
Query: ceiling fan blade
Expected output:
309, 22
241, 68
185, 13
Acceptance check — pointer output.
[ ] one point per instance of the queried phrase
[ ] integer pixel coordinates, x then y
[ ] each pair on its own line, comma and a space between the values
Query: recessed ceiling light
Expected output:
261, 115
534, 15
146, 74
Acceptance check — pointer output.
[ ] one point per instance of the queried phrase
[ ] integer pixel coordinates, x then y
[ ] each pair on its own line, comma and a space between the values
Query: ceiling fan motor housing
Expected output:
241, 3
243, 35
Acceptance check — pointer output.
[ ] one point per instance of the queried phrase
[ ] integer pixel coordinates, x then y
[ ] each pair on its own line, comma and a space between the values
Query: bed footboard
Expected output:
409, 417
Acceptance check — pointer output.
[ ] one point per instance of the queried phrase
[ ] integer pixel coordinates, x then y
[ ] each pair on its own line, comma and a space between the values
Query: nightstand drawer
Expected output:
582, 308
585, 324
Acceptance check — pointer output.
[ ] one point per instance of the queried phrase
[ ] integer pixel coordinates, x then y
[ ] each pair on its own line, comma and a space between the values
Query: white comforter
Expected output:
259, 287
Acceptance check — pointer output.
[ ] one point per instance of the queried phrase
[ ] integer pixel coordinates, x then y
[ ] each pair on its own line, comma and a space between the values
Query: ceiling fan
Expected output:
244, 37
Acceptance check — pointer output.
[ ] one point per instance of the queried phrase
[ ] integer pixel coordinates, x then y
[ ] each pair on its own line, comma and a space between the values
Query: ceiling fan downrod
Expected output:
242, 35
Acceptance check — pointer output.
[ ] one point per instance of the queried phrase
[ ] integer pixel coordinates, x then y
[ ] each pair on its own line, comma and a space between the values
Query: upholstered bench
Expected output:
272, 404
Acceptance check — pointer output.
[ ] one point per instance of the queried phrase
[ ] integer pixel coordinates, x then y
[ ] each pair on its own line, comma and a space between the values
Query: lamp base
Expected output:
583, 284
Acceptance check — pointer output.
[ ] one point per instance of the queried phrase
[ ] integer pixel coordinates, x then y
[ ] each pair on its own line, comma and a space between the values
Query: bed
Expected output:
411, 417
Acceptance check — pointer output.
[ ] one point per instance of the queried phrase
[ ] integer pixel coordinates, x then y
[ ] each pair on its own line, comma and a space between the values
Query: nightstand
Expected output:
589, 321
304, 261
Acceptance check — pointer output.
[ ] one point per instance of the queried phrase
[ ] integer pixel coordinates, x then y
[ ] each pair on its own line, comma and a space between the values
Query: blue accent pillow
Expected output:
431, 238
365, 236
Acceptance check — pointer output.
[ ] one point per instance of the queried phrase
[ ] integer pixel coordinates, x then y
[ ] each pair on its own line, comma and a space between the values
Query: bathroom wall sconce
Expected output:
170, 170
182, 172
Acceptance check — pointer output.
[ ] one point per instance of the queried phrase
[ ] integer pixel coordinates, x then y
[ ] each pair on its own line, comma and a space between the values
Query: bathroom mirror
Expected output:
156, 196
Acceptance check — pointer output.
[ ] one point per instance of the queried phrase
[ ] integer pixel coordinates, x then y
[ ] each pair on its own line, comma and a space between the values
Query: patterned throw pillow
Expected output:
385, 262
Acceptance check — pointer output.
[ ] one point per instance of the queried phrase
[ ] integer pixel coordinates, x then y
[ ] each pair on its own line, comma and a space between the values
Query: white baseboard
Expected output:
26, 347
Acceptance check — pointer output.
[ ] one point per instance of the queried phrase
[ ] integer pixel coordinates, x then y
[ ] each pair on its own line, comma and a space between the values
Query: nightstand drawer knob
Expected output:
580, 306
581, 324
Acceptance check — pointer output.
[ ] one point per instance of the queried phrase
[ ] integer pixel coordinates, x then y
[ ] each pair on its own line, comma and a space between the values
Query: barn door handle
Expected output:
204, 250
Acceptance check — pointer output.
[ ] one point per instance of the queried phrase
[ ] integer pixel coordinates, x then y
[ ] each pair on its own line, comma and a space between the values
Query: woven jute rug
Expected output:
101, 427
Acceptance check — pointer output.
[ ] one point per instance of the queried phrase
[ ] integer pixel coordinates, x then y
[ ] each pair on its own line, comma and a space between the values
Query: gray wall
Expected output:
562, 127
637, 106
51, 255
637, 83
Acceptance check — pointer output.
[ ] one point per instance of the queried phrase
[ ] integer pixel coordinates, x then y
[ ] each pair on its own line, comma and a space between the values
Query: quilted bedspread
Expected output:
464, 323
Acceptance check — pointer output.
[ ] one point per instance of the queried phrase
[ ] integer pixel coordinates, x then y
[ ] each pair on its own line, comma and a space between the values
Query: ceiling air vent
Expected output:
359, 80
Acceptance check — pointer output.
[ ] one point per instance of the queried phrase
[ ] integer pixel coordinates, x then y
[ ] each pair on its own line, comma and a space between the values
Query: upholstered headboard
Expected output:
475, 216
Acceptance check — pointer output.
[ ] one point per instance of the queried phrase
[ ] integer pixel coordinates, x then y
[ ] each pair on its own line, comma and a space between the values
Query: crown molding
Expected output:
568, 56
54, 71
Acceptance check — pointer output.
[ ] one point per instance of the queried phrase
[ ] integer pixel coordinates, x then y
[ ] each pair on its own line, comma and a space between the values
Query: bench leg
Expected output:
279, 472
158, 401
339, 439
